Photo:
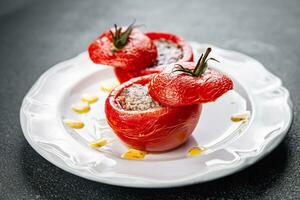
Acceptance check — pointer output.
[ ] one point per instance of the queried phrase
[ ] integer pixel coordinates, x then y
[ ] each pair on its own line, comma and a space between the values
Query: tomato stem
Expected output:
200, 66
120, 38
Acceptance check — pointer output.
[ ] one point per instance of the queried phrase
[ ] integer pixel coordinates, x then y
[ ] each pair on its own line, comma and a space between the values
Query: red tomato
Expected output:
181, 89
138, 53
156, 130
125, 75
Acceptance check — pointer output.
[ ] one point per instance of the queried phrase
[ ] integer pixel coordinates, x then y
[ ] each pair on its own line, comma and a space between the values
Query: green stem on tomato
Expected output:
120, 38
200, 66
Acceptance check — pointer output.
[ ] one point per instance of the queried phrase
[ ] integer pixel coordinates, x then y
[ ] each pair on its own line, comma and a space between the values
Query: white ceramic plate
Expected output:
230, 146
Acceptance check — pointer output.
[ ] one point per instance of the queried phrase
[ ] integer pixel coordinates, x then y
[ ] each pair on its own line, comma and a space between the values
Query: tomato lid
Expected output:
188, 83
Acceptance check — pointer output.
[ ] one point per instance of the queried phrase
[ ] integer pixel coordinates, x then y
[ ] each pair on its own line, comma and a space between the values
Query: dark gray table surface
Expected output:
34, 35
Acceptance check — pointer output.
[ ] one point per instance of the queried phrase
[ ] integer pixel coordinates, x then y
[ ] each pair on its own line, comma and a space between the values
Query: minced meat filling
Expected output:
168, 52
136, 98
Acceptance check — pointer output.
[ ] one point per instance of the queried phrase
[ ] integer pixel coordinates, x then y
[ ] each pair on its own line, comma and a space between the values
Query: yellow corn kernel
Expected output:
133, 154
98, 143
76, 124
89, 98
240, 117
81, 108
109, 85
195, 151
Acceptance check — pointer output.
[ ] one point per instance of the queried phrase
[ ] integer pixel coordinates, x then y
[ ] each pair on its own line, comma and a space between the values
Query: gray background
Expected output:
34, 35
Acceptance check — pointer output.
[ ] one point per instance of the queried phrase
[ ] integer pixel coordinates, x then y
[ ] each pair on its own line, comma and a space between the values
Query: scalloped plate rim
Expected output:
246, 161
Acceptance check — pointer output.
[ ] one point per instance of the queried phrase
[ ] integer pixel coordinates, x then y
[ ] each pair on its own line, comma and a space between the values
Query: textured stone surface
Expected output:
34, 35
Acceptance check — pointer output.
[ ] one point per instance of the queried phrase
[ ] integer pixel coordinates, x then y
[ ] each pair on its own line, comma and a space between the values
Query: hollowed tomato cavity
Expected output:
167, 51
136, 98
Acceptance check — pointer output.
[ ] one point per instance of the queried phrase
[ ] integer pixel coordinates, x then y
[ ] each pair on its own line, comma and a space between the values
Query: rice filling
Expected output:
168, 52
136, 98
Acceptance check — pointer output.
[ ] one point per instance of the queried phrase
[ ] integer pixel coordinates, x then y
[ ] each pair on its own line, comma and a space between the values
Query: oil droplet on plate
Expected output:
81, 107
109, 85
98, 143
89, 98
195, 151
133, 154
72, 123
240, 117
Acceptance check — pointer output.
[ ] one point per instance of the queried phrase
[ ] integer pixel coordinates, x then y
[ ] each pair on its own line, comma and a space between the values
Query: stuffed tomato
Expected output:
170, 49
144, 124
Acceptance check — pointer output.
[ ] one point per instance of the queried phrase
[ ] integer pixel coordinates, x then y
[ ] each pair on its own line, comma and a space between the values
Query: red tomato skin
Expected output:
125, 75
139, 53
181, 89
158, 130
